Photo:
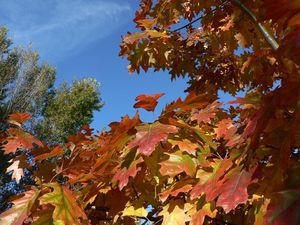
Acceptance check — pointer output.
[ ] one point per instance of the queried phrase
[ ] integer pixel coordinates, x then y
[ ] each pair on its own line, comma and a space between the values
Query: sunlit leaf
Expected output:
66, 211
147, 102
149, 135
20, 209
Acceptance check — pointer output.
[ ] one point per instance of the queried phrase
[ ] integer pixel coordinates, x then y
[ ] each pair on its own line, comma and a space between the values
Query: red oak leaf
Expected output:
284, 208
57, 150
209, 183
185, 146
19, 139
175, 191
147, 102
192, 101
205, 115
123, 175
21, 208
149, 135
234, 189
225, 129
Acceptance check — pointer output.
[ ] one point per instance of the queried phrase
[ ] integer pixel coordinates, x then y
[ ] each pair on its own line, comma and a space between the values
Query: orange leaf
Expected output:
147, 102
58, 150
19, 118
123, 175
178, 163
185, 145
175, 191
205, 115
20, 209
19, 139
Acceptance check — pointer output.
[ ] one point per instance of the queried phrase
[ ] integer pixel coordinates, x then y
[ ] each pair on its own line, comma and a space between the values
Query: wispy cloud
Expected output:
59, 28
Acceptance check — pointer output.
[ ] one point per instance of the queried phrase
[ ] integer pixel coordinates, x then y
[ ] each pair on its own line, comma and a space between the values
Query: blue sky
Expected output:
81, 38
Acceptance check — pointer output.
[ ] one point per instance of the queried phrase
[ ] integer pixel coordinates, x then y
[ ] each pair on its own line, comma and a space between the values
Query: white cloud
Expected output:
59, 28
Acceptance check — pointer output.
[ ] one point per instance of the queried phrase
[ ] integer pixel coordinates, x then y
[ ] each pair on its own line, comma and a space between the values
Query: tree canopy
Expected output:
202, 161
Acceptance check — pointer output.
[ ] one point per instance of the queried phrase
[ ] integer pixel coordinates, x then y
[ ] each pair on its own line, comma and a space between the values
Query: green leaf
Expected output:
178, 163
66, 208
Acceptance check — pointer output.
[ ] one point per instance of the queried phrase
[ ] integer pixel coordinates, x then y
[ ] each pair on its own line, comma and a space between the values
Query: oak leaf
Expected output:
177, 216
177, 163
234, 189
284, 209
131, 211
122, 176
185, 146
209, 183
205, 115
56, 151
149, 135
19, 139
20, 209
18, 173
199, 217
18, 118
147, 102
174, 191
66, 211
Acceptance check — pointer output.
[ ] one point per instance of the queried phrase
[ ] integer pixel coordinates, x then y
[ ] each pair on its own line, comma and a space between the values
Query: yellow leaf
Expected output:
175, 217
131, 211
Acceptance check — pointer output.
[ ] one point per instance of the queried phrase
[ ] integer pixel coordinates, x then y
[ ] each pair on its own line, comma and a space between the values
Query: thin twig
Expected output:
268, 37
199, 18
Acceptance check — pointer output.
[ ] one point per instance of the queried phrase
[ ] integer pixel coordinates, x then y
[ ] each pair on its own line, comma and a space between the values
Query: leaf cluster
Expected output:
199, 162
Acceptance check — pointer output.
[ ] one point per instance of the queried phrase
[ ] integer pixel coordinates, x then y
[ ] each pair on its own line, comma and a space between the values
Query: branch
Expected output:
268, 37
199, 18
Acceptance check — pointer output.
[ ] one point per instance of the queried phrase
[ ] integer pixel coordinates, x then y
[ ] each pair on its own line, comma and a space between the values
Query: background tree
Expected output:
28, 86
67, 109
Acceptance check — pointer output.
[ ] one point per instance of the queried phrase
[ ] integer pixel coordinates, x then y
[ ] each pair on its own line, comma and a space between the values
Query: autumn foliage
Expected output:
203, 161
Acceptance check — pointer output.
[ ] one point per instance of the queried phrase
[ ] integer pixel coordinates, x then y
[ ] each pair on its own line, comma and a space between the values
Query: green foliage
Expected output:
26, 85
67, 109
